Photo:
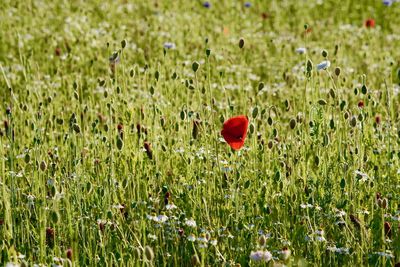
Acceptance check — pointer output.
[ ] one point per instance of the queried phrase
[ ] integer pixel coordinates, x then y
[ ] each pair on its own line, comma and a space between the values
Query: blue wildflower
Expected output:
247, 4
387, 2
169, 45
207, 4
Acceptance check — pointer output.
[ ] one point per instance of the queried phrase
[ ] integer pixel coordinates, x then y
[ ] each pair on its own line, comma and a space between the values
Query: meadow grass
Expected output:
111, 146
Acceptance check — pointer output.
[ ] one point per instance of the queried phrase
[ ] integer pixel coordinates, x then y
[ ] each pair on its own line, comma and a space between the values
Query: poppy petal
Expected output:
235, 130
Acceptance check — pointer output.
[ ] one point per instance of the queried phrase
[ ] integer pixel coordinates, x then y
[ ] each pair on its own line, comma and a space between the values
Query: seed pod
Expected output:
54, 217
76, 128
324, 53
27, 158
326, 140
309, 68
123, 44
136, 253
196, 128
241, 43
195, 260
292, 124
149, 151
332, 93
195, 66
120, 143
322, 102
337, 71
364, 89
269, 120
260, 86
262, 240
43, 166
255, 112
50, 235
332, 124
353, 121
149, 253
270, 144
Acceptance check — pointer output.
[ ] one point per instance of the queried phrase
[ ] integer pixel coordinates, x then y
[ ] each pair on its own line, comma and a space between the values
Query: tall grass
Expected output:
111, 145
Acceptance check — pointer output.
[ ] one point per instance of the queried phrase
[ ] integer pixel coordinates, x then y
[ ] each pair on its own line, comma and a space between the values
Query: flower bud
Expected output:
262, 240
43, 166
149, 253
241, 43
337, 71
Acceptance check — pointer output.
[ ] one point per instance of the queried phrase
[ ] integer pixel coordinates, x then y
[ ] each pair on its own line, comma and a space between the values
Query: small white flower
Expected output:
340, 213
162, 218
118, 206
170, 206
213, 242
323, 65
202, 239
191, 223
301, 50
152, 237
319, 232
338, 250
304, 206
260, 255
191, 238
320, 239
362, 176
387, 254
394, 218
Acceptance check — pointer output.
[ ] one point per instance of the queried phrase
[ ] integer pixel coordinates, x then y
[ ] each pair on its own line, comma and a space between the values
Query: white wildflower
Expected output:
301, 50
262, 256
323, 65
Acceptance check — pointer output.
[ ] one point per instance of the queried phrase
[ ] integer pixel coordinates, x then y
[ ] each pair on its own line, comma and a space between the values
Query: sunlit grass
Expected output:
111, 141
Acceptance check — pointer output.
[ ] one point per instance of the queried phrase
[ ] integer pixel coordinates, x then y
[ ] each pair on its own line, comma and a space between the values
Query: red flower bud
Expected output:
370, 23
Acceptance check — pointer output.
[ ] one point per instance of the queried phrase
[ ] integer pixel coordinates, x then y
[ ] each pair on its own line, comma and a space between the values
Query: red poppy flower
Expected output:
235, 130
370, 23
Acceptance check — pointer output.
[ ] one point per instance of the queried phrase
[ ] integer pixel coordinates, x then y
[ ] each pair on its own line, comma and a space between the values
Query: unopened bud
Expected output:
43, 165
149, 253
262, 240
337, 71
195, 260
241, 43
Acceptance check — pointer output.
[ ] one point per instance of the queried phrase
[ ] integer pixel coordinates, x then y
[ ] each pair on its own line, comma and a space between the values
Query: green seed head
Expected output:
43, 166
292, 124
337, 71
149, 253
195, 66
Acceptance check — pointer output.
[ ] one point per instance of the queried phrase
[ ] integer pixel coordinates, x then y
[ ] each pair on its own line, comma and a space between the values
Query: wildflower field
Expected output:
191, 133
